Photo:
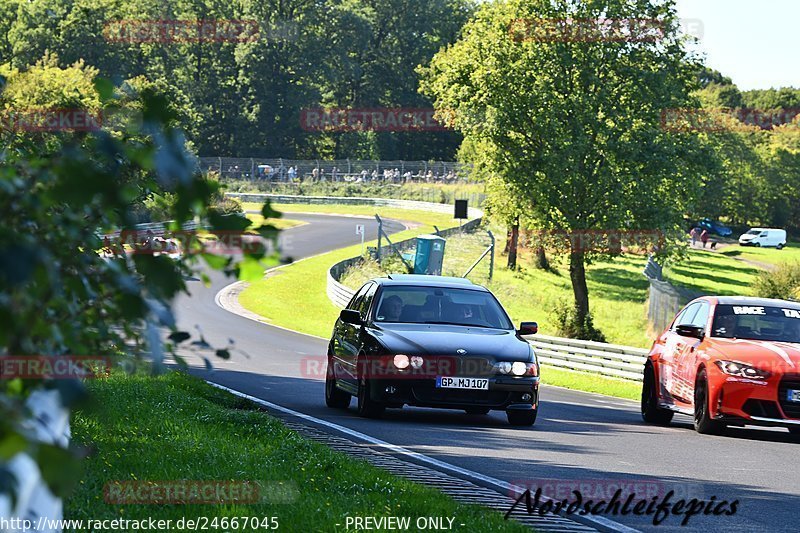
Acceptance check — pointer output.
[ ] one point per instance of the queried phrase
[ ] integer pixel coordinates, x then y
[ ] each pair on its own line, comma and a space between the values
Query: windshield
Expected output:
437, 305
757, 323
753, 232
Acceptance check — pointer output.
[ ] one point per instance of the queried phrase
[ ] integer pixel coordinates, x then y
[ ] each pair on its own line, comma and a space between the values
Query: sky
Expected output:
756, 43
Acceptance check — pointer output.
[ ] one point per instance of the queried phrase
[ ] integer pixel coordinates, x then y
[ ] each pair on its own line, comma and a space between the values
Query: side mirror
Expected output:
695, 332
351, 316
528, 328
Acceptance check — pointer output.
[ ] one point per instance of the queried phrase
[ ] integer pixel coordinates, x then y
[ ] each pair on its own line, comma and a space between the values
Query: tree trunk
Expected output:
512, 247
541, 258
577, 274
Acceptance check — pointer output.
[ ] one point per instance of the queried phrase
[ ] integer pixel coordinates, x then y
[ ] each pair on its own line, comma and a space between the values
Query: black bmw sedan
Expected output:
431, 341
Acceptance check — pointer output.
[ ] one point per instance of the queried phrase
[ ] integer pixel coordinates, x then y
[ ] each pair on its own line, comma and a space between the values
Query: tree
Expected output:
60, 193
576, 125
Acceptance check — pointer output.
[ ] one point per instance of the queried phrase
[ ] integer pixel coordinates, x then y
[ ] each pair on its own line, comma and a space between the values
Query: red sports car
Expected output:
727, 361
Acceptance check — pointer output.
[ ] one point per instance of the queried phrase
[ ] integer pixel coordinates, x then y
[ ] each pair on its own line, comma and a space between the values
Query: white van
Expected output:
764, 237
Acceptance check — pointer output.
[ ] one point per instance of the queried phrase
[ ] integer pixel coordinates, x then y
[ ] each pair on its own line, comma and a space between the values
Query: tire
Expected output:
780, 247
522, 418
477, 411
334, 396
703, 423
758, 245
367, 407
651, 412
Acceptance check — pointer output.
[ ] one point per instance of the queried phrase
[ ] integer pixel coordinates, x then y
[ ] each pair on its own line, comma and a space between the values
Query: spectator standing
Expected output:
704, 237
695, 233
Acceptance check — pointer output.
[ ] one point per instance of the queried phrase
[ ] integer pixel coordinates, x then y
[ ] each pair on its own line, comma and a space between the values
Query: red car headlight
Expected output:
741, 370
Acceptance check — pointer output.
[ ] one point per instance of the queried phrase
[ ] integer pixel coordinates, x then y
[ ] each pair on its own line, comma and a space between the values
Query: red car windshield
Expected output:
779, 324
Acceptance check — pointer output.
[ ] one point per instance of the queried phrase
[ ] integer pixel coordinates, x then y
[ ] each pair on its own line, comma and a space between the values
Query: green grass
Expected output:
442, 220
426, 192
770, 256
713, 273
587, 382
175, 427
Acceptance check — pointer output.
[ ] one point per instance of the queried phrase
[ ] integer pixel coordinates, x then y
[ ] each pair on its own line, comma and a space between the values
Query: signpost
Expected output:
460, 211
360, 231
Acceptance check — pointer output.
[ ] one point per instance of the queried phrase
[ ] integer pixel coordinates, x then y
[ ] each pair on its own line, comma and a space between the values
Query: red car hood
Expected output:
783, 356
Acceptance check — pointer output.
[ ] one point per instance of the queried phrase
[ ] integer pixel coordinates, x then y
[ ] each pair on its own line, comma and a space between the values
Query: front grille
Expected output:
474, 366
432, 395
762, 408
791, 409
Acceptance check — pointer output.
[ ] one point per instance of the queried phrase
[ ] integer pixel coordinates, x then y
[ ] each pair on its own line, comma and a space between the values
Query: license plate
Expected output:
443, 382
793, 395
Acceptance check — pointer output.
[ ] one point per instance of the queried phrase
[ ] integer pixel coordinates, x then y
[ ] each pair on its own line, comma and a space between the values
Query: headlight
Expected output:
732, 368
416, 362
401, 361
517, 368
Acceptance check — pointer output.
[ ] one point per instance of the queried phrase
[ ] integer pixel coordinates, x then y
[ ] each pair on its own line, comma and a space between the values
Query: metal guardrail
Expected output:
611, 360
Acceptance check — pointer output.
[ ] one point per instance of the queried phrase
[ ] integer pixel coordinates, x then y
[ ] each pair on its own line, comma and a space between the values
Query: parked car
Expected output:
714, 227
766, 237
431, 341
727, 361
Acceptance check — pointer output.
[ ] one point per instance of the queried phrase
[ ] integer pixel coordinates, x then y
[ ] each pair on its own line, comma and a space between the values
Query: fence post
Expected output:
491, 257
380, 232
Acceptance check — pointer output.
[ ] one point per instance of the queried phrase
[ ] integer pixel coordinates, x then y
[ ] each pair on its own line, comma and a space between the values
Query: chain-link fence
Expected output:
343, 170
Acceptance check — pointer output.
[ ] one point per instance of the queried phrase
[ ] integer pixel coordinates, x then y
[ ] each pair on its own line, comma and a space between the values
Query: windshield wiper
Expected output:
458, 324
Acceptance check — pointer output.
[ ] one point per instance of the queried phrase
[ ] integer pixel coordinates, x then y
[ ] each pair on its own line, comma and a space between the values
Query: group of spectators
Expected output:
334, 174
703, 236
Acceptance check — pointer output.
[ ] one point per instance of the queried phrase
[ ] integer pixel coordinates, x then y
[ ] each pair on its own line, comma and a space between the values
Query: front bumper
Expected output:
505, 393
744, 401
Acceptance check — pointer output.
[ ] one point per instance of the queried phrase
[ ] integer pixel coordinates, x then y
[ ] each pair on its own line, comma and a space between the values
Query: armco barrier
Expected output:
606, 359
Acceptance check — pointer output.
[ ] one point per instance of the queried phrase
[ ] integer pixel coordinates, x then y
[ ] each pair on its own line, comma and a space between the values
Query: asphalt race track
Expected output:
599, 441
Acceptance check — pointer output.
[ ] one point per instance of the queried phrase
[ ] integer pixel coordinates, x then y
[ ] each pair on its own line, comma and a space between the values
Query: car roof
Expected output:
755, 301
423, 280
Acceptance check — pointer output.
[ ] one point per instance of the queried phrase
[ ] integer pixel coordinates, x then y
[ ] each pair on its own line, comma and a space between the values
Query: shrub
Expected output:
783, 282
569, 326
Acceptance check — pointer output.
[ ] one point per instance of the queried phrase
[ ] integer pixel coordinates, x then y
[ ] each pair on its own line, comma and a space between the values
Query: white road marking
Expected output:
508, 488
